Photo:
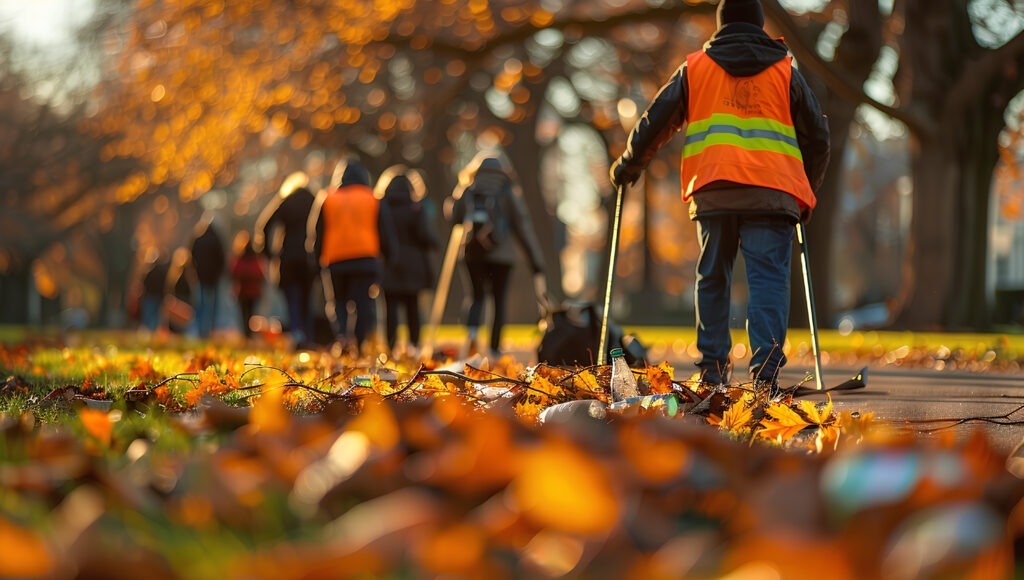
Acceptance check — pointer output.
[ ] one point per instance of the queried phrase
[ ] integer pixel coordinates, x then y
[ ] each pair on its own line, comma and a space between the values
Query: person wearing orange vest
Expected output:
352, 232
756, 149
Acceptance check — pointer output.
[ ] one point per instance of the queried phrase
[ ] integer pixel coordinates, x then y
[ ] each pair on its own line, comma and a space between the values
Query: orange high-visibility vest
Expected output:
740, 129
350, 225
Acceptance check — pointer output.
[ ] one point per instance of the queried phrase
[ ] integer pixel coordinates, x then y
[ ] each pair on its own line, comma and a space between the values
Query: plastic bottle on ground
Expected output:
623, 382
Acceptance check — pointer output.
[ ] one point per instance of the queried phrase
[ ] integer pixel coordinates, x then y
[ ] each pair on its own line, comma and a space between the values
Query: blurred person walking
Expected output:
351, 233
488, 202
410, 273
280, 234
209, 260
247, 275
757, 147
154, 289
181, 283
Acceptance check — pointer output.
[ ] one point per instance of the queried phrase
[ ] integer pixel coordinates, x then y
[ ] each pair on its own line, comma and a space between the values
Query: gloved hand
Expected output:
620, 174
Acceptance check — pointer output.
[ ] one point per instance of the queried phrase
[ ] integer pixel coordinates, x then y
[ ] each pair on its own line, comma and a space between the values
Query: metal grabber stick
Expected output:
613, 252
812, 318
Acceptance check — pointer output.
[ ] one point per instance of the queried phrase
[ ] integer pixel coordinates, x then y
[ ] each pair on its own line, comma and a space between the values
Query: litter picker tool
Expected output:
602, 352
444, 285
812, 317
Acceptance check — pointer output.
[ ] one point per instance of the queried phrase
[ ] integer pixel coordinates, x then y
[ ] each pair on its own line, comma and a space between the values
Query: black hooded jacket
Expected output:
410, 270
209, 257
291, 215
742, 50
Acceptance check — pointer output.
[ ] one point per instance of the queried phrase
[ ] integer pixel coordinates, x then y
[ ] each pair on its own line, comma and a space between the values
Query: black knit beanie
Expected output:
748, 11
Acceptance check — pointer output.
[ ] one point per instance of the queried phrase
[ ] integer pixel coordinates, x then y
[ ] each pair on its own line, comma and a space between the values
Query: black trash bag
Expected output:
572, 335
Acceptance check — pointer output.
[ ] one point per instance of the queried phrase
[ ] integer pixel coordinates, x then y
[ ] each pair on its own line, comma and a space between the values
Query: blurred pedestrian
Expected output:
352, 232
488, 202
280, 234
209, 259
757, 147
247, 275
154, 289
181, 281
406, 276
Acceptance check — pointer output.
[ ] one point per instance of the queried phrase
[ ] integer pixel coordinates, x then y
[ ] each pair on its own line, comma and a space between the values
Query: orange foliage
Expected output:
25, 553
97, 423
564, 489
660, 378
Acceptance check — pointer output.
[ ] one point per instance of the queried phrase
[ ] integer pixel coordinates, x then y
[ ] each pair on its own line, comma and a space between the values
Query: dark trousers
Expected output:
353, 287
297, 284
247, 306
767, 246
409, 302
485, 279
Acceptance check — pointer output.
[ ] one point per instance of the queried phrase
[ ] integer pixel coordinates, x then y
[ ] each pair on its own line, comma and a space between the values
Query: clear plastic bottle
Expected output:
623, 381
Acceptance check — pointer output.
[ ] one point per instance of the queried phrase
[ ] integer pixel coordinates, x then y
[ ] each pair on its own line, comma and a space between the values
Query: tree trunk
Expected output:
931, 261
979, 153
855, 57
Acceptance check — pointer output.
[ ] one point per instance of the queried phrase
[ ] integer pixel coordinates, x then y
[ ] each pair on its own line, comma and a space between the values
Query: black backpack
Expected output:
489, 222
573, 335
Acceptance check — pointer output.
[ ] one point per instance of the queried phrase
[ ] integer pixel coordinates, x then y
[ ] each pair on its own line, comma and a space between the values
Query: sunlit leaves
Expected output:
738, 416
783, 423
97, 424
565, 490
660, 378
25, 552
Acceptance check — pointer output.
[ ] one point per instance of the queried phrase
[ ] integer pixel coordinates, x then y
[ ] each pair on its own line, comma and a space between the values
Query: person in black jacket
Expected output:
757, 146
410, 273
489, 204
209, 259
280, 234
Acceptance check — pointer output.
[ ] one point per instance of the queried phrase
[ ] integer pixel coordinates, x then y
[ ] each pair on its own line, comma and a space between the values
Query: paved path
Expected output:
906, 395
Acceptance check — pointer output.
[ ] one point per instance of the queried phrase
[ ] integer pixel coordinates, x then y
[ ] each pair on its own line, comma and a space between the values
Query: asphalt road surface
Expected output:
908, 397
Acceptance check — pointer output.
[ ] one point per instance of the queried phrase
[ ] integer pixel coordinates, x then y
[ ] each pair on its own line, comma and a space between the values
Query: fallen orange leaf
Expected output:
97, 423
25, 554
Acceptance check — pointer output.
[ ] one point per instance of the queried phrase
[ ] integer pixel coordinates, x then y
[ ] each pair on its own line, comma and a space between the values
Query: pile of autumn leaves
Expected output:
320, 466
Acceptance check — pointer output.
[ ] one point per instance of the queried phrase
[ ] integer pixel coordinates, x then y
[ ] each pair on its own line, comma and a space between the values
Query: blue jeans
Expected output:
150, 311
767, 246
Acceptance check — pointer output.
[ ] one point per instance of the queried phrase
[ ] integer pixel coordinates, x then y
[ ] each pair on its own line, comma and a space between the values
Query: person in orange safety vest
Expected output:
756, 148
352, 232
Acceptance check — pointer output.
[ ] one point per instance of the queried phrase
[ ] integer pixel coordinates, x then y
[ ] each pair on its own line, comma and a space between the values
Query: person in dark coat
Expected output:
757, 147
352, 235
209, 260
154, 288
411, 273
280, 234
488, 202
181, 282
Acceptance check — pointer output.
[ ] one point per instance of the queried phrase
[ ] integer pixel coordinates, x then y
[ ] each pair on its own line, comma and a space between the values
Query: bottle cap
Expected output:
616, 352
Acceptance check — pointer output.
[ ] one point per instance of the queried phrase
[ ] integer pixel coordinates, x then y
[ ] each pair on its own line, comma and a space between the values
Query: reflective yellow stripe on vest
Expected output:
753, 134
